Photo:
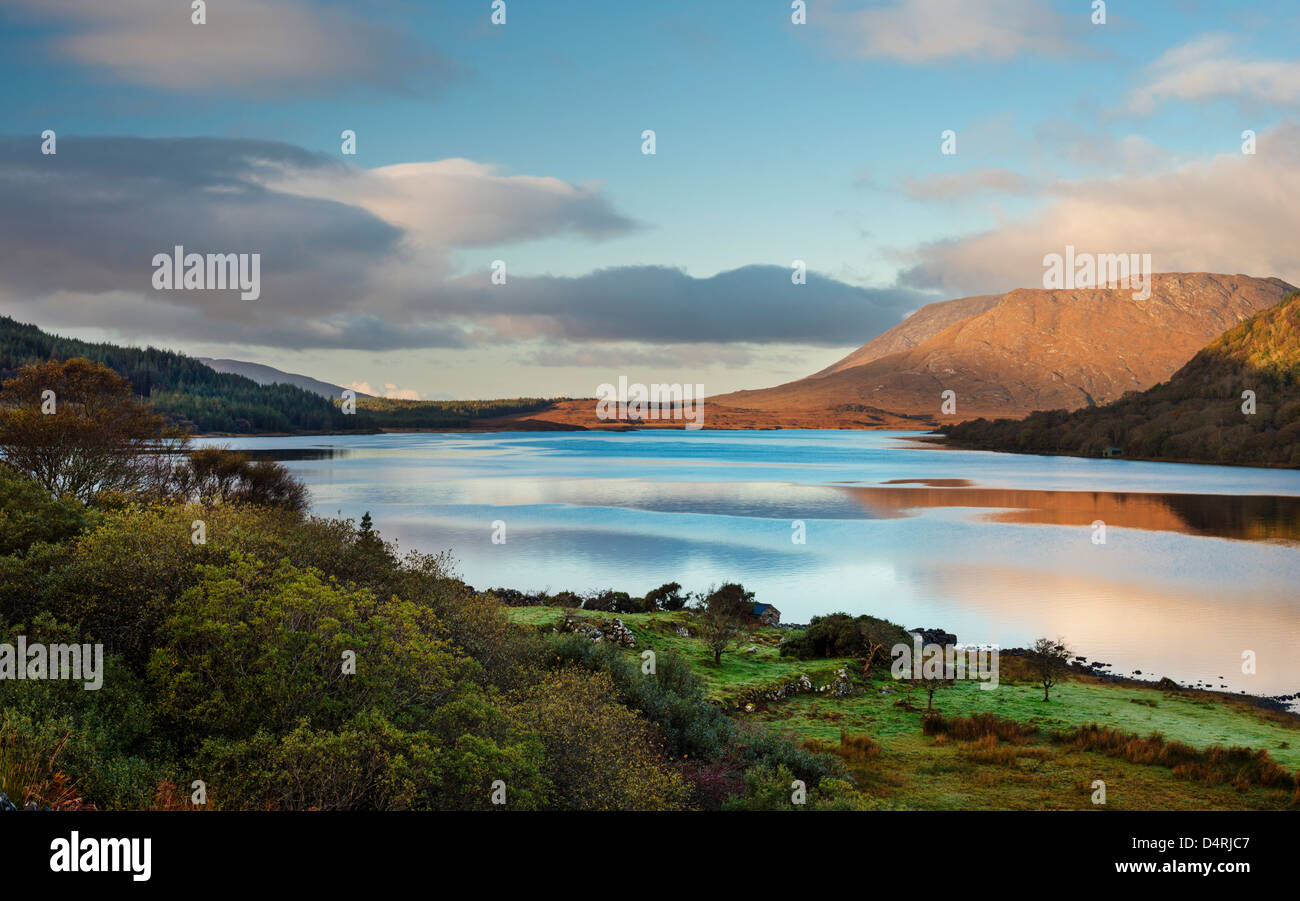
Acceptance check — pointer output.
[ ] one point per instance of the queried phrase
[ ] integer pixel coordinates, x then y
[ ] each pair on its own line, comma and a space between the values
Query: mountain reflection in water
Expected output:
1253, 518
1250, 517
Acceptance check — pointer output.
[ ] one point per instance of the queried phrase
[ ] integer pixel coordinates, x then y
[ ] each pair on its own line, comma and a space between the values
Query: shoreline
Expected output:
933, 439
947, 443
1079, 664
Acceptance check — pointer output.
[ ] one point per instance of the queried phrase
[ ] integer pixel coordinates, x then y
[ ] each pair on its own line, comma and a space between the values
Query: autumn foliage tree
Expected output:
77, 429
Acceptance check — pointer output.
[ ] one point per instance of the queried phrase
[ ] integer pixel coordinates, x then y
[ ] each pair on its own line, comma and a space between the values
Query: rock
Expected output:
934, 636
607, 630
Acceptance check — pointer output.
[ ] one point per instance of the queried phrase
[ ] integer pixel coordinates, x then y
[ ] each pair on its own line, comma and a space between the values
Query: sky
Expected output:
522, 142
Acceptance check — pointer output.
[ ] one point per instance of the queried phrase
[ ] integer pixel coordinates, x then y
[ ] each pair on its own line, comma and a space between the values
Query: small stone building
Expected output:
766, 614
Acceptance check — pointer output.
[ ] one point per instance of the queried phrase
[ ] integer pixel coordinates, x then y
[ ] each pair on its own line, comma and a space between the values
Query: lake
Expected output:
1199, 563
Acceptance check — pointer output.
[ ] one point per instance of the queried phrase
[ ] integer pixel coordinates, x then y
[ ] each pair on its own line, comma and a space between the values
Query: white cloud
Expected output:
389, 390
459, 202
922, 31
1233, 214
1206, 69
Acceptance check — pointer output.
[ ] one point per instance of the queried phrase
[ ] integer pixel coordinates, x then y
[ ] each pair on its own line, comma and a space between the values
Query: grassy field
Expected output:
932, 772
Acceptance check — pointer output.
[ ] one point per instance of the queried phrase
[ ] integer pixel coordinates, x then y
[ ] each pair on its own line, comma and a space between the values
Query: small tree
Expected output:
1050, 662
931, 684
218, 475
725, 613
734, 599
666, 597
878, 636
719, 628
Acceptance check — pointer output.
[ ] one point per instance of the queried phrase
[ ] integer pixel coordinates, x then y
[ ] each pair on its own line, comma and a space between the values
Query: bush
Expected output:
252, 648
599, 754
1237, 766
666, 597
839, 635
369, 764
977, 726
28, 514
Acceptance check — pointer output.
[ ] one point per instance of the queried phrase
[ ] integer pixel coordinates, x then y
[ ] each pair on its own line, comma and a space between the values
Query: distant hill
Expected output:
184, 390
268, 375
1029, 349
197, 397
1197, 415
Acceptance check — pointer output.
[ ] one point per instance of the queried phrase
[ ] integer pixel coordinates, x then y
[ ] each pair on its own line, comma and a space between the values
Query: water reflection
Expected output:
996, 548
1249, 517
289, 454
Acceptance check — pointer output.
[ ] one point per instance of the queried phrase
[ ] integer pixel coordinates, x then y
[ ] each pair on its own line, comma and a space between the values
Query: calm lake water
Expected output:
1199, 564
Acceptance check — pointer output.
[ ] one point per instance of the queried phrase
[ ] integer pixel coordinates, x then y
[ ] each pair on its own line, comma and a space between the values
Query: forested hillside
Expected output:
192, 395
185, 391
1236, 401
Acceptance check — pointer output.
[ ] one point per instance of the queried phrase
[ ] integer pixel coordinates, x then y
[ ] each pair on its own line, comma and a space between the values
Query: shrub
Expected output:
369, 764
1237, 766
29, 514
252, 647
599, 754
978, 726
839, 635
666, 597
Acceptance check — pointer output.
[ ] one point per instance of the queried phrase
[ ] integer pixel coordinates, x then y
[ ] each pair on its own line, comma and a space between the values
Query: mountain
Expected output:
1026, 350
267, 375
922, 325
1198, 415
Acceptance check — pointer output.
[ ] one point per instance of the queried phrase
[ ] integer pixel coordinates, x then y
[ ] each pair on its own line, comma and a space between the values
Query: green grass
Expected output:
740, 669
935, 773
1197, 721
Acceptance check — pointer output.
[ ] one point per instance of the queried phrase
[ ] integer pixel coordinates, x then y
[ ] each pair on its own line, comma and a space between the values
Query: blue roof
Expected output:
762, 608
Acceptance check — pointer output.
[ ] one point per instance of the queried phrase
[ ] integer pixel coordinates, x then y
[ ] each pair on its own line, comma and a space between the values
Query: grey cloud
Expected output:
91, 217
79, 230
258, 46
757, 304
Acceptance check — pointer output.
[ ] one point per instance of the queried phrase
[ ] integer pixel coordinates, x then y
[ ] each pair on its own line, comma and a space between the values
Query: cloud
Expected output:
1206, 69
90, 219
957, 185
363, 259
458, 202
389, 390
270, 46
757, 304
923, 31
1057, 139
663, 356
1229, 214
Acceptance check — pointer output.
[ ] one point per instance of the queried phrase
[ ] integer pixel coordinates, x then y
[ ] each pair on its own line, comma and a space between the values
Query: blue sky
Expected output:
775, 142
